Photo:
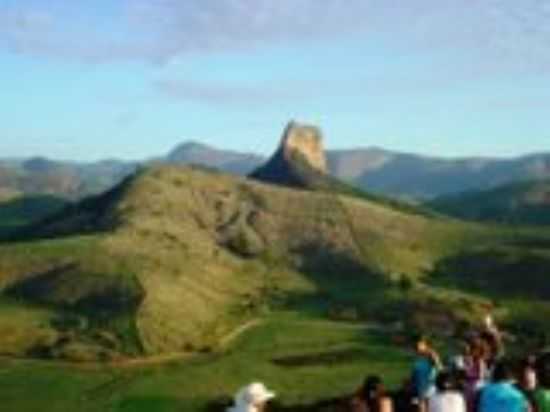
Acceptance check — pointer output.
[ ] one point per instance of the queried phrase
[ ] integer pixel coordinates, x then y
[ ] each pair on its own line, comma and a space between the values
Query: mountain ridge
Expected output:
190, 239
398, 174
177, 256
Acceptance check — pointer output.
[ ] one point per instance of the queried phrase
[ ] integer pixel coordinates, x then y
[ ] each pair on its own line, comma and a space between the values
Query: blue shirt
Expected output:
502, 397
423, 377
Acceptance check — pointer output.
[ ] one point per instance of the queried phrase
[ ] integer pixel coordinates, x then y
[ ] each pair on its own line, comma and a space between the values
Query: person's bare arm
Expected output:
386, 405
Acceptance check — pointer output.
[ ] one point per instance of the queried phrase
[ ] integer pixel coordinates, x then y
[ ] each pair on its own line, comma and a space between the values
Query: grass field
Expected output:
302, 358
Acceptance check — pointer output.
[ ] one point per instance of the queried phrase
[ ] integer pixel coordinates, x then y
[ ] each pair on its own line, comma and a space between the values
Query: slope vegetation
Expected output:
20, 211
173, 259
525, 203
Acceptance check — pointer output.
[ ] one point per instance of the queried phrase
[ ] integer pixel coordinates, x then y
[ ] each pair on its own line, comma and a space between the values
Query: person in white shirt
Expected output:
252, 398
447, 398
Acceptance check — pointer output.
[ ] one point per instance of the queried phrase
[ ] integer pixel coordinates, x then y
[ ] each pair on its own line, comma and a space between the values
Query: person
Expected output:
500, 395
424, 371
529, 374
492, 335
528, 381
476, 369
542, 393
252, 398
447, 398
372, 397
405, 399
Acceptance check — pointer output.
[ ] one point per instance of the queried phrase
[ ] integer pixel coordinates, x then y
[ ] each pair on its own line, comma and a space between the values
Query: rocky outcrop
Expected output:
308, 142
299, 159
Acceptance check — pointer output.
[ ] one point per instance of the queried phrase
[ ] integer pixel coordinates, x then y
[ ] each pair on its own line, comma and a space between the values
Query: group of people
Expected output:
480, 379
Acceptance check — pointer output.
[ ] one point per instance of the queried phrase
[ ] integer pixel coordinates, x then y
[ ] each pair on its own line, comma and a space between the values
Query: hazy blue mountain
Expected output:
423, 177
226, 160
70, 180
374, 169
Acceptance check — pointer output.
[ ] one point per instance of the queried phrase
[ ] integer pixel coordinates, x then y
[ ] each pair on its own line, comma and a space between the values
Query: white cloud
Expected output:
227, 94
505, 31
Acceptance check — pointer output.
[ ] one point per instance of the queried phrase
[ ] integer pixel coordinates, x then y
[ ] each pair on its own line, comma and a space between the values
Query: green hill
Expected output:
174, 259
525, 203
21, 211
169, 268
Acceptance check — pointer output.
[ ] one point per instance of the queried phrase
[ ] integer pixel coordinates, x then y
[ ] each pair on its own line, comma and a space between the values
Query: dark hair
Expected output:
460, 379
444, 382
502, 372
372, 391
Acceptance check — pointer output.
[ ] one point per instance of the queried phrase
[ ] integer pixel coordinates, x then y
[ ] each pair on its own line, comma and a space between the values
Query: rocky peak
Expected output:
307, 141
300, 160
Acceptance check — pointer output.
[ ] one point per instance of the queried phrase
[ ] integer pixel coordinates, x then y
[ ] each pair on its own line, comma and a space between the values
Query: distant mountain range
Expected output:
70, 180
422, 177
373, 169
113, 275
226, 160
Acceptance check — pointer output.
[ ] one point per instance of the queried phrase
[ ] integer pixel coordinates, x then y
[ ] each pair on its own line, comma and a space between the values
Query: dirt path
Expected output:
225, 342
231, 337
138, 362
180, 356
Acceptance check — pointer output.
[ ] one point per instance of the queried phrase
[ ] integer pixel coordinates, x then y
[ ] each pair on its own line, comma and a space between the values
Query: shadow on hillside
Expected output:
94, 214
496, 273
21, 211
531, 242
69, 287
332, 356
345, 355
344, 287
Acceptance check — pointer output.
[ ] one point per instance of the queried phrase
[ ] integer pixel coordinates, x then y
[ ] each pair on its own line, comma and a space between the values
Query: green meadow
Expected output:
303, 358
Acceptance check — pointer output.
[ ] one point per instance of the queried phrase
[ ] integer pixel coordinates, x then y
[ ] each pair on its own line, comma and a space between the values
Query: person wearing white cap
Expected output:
252, 398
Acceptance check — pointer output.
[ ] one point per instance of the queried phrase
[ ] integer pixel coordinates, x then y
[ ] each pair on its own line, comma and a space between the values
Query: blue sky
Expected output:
132, 78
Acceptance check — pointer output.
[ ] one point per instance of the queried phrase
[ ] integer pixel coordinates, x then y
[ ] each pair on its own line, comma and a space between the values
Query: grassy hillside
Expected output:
174, 259
526, 203
180, 261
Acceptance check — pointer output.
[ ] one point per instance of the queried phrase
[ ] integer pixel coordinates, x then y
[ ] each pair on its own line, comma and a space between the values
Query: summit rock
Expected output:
300, 154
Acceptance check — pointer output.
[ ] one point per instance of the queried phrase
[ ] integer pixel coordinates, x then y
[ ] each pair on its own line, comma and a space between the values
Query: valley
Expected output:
180, 283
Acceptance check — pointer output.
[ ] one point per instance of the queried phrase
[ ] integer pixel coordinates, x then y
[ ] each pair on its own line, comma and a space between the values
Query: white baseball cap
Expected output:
254, 394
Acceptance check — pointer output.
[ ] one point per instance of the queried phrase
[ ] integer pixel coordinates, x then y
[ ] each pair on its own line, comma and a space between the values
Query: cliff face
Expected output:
308, 142
298, 161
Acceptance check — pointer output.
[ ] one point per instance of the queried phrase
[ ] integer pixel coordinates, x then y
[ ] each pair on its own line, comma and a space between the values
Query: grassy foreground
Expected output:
303, 359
